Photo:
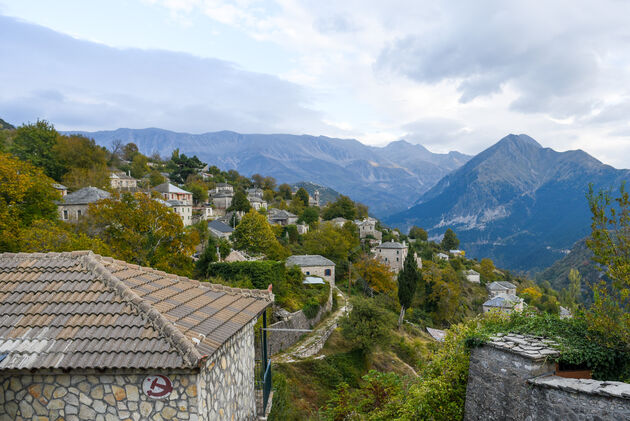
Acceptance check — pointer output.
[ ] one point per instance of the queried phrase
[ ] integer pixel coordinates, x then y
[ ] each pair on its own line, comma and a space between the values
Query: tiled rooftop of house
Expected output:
81, 310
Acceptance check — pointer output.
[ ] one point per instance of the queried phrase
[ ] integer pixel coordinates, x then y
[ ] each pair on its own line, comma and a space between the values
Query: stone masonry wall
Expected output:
512, 379
92, 395
226, 382
278, 341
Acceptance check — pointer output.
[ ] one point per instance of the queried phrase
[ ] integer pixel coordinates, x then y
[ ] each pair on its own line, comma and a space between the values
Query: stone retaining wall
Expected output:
278, 341
511, 378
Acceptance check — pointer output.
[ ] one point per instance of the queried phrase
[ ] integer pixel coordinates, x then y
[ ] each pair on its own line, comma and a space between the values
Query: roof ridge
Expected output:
172, 334
257, 293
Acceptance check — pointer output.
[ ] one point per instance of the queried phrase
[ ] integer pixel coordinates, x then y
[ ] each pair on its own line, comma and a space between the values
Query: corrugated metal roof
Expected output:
81, 310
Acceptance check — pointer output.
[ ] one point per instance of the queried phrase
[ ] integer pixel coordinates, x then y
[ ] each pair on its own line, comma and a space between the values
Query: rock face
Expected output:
516, 202
511, 378
386, 179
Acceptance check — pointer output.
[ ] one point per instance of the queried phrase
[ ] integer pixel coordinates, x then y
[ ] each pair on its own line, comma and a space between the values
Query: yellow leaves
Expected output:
376, 274
534, 293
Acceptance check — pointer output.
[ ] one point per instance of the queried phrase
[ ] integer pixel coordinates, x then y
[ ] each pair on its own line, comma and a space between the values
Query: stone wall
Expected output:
278, 341
511, 378
92, 395
226, 382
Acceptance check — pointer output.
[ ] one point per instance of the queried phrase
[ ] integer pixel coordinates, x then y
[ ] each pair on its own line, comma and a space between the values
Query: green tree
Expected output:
129, 151
572, 294
343, 206
367, 326
76, 151
408, 279
328, 241
35, 143
302, 196
310, 215
155, 178
45, 236
418, 233
208, 256
450, 240
139, 167
199, 192
26, 195
254, 235
285, 191
240, 202
182, 166
610, 243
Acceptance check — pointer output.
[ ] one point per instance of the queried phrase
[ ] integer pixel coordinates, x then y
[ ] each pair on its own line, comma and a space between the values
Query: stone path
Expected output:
314, 342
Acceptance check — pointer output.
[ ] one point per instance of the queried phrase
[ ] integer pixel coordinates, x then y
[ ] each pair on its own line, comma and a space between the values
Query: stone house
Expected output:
171, 192
219, 229
367, 228
222, 188
442, 256
281, 217
257, 203
302, 228
472, 276
74, 205
501, 287
457, 253
205, 212
255, 192
183, 209
92, 338
61, 189
222, 201
314, 265
121, 181
392, 253
314, 200
506, 303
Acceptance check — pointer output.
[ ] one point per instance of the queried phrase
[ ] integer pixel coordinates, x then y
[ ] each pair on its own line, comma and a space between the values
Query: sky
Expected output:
450, 75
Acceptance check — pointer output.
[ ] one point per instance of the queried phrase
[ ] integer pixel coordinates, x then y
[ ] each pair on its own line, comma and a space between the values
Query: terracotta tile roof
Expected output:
81, 310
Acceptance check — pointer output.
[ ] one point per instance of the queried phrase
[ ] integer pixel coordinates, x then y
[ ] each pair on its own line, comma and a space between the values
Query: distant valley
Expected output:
387, 179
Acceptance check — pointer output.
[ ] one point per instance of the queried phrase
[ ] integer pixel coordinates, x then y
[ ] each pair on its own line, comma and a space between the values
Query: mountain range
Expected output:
387, 179
516, 202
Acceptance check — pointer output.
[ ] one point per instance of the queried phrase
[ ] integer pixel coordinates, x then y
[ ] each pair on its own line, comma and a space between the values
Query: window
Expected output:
65, 214
397, 259
78, 213
327, 272
308, 273
397, 252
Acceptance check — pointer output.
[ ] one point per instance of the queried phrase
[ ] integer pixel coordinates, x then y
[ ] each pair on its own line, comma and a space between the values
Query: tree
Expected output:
310, 215
240, 202
328, 241
141, 230
450, 240
302, 196
610, 243
418, 233
46, 236
199, 192
285, 191
139, 167
26, 195
77, 151
486, 269
155, 178
77, 178
182, 166
129, 151
367, 326
208, 256
258, 180
375, 273
572, 294
254, 235
35, 143
408, 279
343, 206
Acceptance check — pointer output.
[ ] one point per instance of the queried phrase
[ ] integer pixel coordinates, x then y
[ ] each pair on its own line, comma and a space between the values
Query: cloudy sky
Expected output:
451, 75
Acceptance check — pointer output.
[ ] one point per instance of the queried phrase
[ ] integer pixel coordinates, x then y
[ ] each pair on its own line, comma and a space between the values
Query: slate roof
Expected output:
309, 260
502, 301
169, 188
59, 186
391, 245
280, 214
121, 174
85, 196
220, 226
501, 286
172, 203
81, 310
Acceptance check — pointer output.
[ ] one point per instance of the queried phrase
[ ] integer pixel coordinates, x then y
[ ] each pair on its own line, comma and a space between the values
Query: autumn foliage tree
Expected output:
26, 195
141, 230
375, 273
254, 235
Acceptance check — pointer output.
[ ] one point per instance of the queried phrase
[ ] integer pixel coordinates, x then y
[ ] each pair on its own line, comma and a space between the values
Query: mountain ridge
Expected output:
514, 194
387, 179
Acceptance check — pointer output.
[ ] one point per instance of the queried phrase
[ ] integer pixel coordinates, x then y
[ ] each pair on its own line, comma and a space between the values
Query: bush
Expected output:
311, 308
261, 273
368, 325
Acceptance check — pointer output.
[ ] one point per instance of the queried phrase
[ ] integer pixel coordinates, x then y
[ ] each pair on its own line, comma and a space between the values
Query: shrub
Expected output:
368, 325
311, 308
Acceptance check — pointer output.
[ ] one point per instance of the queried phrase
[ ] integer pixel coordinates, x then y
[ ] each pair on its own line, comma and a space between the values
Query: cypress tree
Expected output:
408, 279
